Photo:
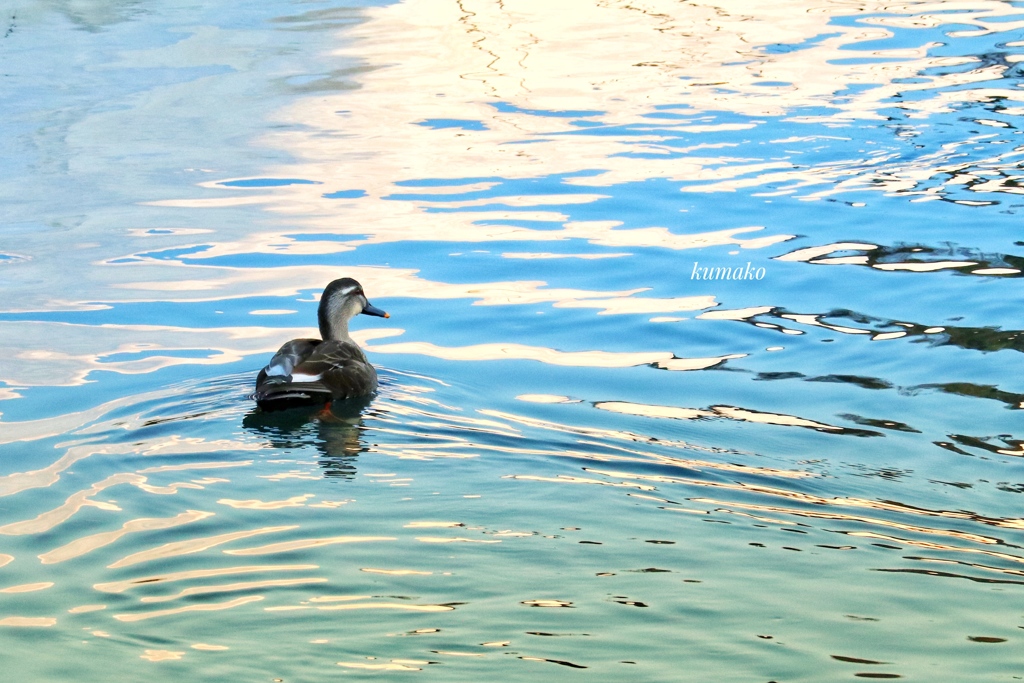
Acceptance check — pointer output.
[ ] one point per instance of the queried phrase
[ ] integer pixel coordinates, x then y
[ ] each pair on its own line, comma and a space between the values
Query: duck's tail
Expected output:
280, 394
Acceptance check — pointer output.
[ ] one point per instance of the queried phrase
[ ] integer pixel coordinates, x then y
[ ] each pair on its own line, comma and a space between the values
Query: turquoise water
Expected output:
701, 362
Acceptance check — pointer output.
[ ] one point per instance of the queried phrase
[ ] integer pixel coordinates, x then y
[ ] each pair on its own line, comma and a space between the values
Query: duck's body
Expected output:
315, 371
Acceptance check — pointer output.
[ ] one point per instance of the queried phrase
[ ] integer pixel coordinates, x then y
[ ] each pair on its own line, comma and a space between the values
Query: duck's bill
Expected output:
370, 309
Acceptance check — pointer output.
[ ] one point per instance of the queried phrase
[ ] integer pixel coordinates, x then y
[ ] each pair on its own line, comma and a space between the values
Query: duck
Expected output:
309, 372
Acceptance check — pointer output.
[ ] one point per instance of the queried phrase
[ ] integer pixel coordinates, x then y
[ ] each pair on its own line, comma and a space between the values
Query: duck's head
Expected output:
342, 300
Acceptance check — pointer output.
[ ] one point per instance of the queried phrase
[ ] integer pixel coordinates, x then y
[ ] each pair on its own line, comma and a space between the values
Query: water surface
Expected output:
701, 363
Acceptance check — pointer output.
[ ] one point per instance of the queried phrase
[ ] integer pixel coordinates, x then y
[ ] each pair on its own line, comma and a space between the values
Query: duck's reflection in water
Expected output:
335, 431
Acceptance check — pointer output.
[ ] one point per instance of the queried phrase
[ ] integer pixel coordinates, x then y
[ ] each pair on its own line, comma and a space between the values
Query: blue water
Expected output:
701, 362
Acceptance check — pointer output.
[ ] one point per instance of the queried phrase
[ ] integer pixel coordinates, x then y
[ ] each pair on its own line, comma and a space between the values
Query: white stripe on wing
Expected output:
303, 377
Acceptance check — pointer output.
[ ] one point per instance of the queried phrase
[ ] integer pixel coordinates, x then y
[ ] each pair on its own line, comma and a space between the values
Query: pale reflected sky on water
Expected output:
507, 99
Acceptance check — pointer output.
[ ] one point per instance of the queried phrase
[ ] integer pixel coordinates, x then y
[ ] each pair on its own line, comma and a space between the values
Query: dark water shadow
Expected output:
335, 432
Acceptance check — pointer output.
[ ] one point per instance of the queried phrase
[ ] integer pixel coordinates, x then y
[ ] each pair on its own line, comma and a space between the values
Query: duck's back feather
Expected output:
311, 371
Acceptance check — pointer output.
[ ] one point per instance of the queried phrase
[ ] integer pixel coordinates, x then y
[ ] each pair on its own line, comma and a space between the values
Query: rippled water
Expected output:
701, 363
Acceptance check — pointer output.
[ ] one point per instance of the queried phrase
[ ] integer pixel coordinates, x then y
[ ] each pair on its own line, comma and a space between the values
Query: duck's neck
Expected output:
332, 327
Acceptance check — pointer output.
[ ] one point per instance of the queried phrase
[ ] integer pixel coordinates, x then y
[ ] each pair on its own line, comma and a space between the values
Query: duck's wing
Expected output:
340, 367
274, 383
316, 373
288, 356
